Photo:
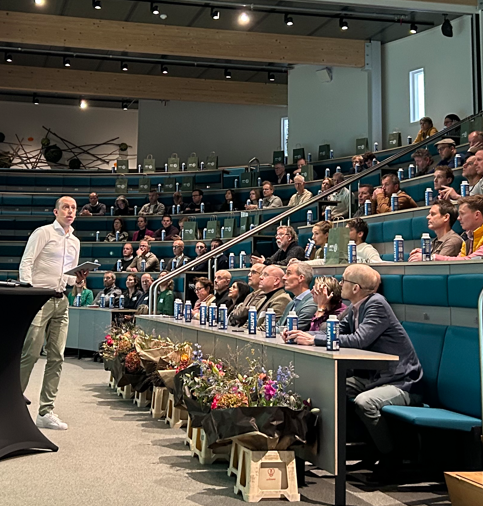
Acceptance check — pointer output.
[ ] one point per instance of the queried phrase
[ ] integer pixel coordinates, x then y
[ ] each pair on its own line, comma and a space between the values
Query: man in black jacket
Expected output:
195, 205
288, 248
222, 283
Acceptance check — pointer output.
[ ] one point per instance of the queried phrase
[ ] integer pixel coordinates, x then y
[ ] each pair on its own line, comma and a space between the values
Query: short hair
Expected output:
446, 207
333, 286
360, 226
206, 283
154, 191
447, 172
136, 279
394, 179
356, 157
426, 119
59, 200
368, 186
113, 274
478, 133
123, 225
143, 218
170, 284
269, 184
329, 179
368, 155
289, 230
302, 158
338, 175
279, 163
422, 153
304, 269
167, 216
147, 242
299, 176
218, 242
197, 190
452, 117
474, 202
323, 226
183, 219
146, 274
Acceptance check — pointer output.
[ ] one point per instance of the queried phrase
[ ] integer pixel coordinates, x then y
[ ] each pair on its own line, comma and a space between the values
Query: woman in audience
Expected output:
327, 295
237, 292
427, 129
86, 295
132, 292
121, 206
230, 197
356, 160
204, 292
117, 226
181, 223
320, 235
254, 197
449, 121
327, 183
178, 201
143, 232
166, 297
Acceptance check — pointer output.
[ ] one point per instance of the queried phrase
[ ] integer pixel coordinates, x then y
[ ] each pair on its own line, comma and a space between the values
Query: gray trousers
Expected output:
368, 405
51, 324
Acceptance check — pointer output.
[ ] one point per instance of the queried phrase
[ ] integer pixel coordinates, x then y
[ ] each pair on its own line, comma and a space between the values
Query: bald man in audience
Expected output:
370, 324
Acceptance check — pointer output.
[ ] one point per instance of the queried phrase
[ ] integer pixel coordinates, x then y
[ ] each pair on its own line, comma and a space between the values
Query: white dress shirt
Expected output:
49, 253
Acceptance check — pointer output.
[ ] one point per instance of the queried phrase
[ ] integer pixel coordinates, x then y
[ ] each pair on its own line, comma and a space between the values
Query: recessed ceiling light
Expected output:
163, 16
414, 28
35, 100
83, 104
124, 106
243, 18
39, 2
271, 77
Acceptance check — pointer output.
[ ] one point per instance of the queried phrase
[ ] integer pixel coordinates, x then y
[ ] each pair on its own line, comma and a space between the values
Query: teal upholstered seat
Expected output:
375, 233
391, 288
397, 227
428, 290
464, 289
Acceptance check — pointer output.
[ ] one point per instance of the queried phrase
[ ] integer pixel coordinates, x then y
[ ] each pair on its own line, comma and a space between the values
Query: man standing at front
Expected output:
51, 250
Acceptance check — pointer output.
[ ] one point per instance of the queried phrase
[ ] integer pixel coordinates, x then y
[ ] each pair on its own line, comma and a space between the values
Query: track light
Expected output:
83, 103
343, 24
243, 18
447, 27
414, 28
154, 9
8, 58
39, 2
66, 62
271, 77
215, 14
227, 74
96, 4
35, 100
288, 20
124, 106
164, 69
124, 66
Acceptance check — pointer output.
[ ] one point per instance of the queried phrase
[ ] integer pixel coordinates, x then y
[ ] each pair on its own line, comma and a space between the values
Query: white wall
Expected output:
335, 113
235, 132
447, 73
88, 126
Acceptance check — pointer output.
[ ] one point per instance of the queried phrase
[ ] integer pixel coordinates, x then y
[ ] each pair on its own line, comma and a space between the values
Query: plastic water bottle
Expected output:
426, 247
352, 252
231, 261
410, 139
202, 166
117, 235
310, 217
222, 232
119, 265
327, 214
112, 210
177, 186
400, 174
212, 315
270, 328
178, 309
203, 313
428, 196
319, 192
309, 248
222, 317
178, 208
331, 154
231, 205
309, 157
457, 161
235, 182
326, 249
173, 209
292, 321
374, 162
252, 320
163, 235
77, 300
411, 171
183, 167
357, 168
121, 302
338, 169
394, 202
185, 260
161, 264
465, 189
367, 207
187, 311
140, 168
143, 265
102, 302
112, 299
204, 233
259, 181
398, 248
113, 169
202, 207
248, 202
173, 264
333, 343
159, 188
260, 203
243, 256
376, 146
135, 210
165, 167
97, 236
327, 172
288, 178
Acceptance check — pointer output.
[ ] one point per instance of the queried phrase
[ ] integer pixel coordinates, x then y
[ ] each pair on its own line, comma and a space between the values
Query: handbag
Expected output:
144, 185
213, 229
229, 228
362, 145
193, 162
149, 164
173, 163
187, 184
298, 153
395, 140
278, 157
324, 151
121, 185
190, 230
122, 166
337, 245
212, 161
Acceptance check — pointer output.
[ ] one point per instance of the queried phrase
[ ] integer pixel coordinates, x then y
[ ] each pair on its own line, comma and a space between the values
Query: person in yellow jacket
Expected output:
427, 129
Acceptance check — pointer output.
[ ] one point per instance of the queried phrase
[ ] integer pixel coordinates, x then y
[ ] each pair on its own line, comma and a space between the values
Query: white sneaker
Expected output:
50, 421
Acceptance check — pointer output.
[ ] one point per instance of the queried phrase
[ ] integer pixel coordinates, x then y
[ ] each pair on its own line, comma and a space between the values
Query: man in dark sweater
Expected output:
288, 248
127, 257
370, 324
94, 207
222, 283
169, 229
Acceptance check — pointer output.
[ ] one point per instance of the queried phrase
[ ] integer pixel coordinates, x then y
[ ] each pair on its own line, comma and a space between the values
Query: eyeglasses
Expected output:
253, 271
342, 281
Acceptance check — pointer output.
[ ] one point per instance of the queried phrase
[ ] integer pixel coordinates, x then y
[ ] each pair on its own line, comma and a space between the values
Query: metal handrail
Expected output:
480, 336
153, 290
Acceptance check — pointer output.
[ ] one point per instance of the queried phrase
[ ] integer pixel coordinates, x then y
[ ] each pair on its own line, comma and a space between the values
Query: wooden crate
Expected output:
234, 453
159, 402
266, 475
188, 440
200, 449
125, 392
465, 489
176, 416
142, 399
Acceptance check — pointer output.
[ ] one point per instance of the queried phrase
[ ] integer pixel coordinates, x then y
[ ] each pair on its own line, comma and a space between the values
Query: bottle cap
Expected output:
352, 242
212, 304
222, 306
292, 313
333, 317
394, 195
252, 308
398, 237
270, 310
425, 236
367, 201
429, 189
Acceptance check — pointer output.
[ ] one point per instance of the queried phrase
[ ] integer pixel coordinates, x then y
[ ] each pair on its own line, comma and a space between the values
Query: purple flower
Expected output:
270, 390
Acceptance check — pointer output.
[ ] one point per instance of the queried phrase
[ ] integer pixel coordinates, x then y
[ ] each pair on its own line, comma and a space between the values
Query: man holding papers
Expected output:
51, 251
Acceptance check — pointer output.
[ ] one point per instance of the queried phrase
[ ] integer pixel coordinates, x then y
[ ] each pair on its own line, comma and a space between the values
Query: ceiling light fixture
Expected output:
271, 77
447, 27
243, 18
125, 106
227, 74
96, 4
39, 2
163, 16
35, 100
288, 20
215, 14
124, 66
83, 103
343, 24
164, 69
8, 58
66, 62
154, 9
414, 28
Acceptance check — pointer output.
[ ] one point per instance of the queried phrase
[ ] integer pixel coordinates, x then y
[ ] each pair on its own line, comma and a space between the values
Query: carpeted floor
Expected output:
114, 453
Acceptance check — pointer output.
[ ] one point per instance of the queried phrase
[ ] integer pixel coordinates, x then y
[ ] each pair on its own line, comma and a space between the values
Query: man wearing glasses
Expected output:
370, 324
288, 248
179, 258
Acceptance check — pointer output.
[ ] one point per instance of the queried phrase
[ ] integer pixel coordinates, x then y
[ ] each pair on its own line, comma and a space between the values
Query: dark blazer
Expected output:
281, 257
380, 331
169, 263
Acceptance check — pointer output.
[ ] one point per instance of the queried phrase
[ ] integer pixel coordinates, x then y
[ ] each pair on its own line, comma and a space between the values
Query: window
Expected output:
416, 94
284, 139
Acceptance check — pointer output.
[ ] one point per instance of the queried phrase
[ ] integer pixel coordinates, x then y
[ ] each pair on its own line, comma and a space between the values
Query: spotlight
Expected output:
35, 100
227, 74
343, 24
271, 77
124, 106
164, 69
288, 20
447, 27
8, 58
83, 103
66, 62
39, 2
96, 4
154, 9
243, 18
124, 66
414, 28
215, 14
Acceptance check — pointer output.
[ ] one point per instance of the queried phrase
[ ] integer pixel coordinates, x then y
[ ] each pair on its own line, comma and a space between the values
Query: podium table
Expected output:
18, 431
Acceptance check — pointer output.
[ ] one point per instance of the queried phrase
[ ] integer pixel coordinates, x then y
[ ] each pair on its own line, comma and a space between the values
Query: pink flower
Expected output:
269, 390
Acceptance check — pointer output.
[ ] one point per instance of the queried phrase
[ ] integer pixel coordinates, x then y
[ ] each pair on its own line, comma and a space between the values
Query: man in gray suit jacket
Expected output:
370, 324
297, 279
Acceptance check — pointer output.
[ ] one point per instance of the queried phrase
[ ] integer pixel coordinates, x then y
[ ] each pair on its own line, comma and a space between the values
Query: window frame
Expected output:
416, 95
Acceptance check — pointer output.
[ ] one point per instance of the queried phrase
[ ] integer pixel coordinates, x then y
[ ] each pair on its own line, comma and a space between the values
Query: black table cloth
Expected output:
18, 431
